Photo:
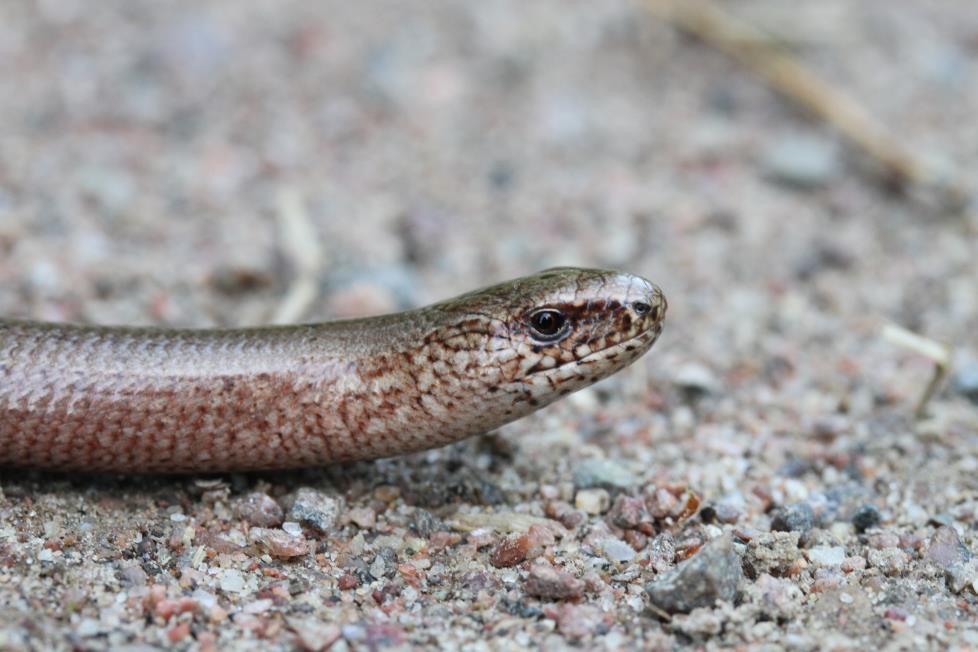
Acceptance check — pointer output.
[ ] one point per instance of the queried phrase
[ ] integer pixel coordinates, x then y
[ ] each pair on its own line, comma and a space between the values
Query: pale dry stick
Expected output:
934, 351
301, 244
144, 400
747, 45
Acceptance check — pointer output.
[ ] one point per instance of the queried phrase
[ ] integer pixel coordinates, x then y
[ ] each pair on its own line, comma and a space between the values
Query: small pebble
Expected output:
961, 575
965, 380
802, 161
260, 510
315, 509
592, 501
617, 551
547, 582
314, 634
278, 543
695, 380
853, 564
866, 517
826, 555
510, 551
798, 517
363, 517
890, 561
628, 512
232, 581
424, 523
599, 472
713, 574
575, 621
945, 548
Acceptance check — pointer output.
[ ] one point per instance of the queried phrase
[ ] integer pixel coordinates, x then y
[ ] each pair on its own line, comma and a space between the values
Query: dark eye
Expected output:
641, 308
547, 324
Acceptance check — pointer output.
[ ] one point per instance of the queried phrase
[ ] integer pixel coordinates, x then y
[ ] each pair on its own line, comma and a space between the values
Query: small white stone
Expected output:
292, 528
232, 581
827, 555
592, 501
617, 551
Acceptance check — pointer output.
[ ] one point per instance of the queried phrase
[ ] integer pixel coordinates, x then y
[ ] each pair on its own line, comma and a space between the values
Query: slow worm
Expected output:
144, 400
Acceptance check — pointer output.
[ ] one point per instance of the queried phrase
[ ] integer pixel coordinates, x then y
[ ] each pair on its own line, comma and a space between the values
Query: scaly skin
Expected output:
146, 400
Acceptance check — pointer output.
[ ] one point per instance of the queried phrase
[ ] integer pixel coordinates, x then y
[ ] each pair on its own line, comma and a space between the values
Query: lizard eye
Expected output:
548, 324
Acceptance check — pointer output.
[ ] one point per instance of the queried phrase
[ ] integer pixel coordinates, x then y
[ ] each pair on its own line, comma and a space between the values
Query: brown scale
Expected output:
153, 400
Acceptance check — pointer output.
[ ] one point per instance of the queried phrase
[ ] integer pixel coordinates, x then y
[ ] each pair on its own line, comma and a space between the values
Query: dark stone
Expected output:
866, 517
424, 523
713, 574
793, 518
965, 381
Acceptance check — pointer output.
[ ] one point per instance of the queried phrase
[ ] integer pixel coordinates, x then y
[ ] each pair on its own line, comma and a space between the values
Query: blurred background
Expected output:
148, 150
236, 162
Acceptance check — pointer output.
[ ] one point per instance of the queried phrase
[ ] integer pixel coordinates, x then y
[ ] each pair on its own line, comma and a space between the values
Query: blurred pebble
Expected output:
865, 518
965, 380
599, 472
314, 634
617, 551
695, 380
278, 543
853, 564
509, 552
712, 574
232, 581
424, 523
576, 621
802, 162
777, 598
662, 552
945, 548
890, 561
793, 518
628, 512
549, 583
826, 555
315, 509
592, 501
961, 575
363, 517
727, 512
774, 553
259, 509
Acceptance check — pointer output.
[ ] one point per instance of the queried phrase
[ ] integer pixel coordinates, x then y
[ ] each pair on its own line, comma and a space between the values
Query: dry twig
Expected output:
747, 45
935, 351
301, 246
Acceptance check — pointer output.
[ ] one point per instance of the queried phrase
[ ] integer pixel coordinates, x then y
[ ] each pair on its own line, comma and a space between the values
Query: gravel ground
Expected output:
758, 479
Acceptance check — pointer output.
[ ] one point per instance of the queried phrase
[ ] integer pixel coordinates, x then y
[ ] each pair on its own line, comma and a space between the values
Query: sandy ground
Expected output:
758, 479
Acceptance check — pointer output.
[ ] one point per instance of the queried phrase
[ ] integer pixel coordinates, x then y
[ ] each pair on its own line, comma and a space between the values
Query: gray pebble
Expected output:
315, 509
597, 472
793, 518
946, 548
696, 380
617, 551
802, 162
713, 574
965, 381
424, 523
